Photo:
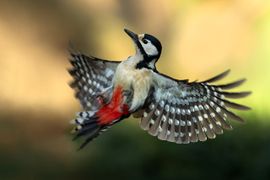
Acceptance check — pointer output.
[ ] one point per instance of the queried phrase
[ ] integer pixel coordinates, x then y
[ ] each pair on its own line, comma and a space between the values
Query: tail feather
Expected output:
92, 123
92, 134
86, 124
86, 130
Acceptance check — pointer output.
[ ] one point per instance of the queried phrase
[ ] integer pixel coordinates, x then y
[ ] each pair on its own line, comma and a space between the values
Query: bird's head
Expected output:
147, 46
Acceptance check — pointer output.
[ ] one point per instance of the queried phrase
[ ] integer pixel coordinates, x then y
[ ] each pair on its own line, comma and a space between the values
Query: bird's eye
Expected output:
144, 41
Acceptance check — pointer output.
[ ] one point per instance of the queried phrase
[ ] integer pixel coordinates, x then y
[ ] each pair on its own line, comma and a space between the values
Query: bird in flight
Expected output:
172, 110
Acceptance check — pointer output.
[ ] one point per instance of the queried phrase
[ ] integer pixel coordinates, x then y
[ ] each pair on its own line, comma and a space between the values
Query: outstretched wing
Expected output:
91, 76
183, 112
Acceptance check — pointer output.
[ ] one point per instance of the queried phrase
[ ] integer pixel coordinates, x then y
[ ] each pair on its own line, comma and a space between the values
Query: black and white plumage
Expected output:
91, 77
173, 110
184, 112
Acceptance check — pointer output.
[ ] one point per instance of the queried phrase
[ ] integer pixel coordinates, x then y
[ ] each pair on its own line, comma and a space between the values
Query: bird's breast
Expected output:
137, 80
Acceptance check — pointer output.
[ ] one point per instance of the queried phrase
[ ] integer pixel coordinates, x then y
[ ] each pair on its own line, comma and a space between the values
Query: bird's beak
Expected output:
136, 39
132, 35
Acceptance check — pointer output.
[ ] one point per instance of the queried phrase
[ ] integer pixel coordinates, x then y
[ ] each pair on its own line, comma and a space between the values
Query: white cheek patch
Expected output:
149, 48
152, 64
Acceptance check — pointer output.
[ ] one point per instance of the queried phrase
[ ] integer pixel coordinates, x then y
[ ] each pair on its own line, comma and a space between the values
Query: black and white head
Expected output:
148, 47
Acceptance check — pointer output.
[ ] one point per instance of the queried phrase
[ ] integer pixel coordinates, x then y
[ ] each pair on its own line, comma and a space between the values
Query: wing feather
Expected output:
184, 112
231, 85
91, 76
217, 77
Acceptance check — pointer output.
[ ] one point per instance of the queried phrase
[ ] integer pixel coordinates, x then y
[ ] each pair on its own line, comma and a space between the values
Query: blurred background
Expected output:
200, 39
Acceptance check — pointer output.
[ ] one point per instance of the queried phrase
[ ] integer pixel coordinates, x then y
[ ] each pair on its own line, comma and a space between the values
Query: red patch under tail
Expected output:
114, 109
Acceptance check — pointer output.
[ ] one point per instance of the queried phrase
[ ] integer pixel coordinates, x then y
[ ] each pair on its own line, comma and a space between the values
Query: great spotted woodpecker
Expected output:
173, 110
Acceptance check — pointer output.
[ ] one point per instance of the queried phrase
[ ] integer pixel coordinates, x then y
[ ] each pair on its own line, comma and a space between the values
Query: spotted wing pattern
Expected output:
91, 76
183, 112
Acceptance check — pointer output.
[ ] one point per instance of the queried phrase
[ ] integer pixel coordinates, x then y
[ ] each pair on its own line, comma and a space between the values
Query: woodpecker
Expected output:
172, 110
